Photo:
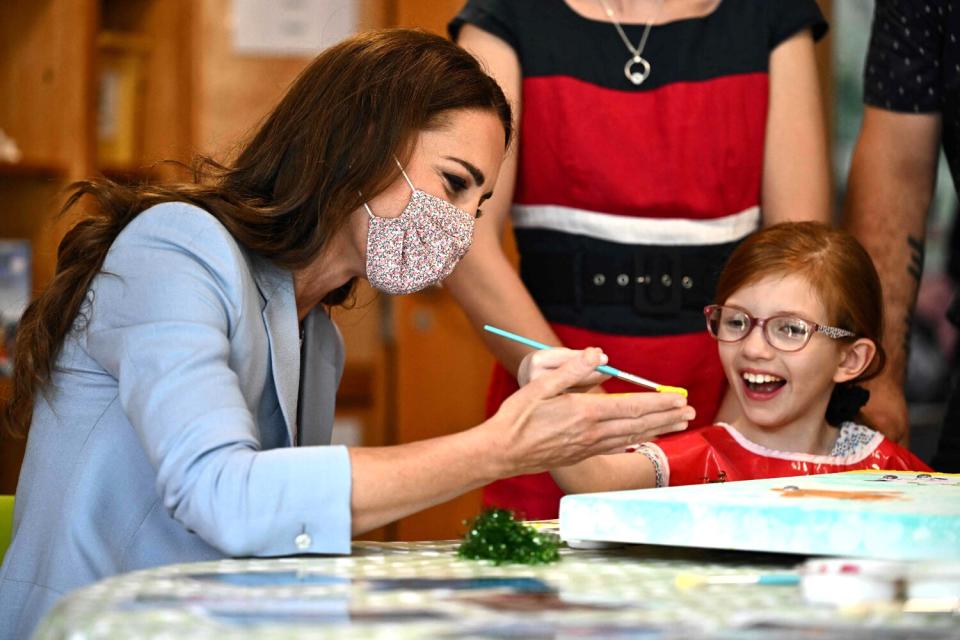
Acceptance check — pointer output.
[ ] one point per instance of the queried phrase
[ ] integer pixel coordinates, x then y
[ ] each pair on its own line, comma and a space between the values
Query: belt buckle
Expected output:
656, 289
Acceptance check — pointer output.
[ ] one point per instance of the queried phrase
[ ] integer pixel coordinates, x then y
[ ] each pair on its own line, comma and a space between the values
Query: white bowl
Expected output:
847, 581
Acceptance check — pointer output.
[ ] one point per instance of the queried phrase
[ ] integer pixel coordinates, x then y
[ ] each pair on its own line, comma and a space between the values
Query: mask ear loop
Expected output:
366, 206
405, 177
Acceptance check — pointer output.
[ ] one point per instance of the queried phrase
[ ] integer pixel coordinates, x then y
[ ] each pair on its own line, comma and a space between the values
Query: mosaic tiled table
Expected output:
394, 590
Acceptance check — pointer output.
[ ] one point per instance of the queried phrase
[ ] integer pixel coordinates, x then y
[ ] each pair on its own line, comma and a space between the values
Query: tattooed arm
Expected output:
888, 196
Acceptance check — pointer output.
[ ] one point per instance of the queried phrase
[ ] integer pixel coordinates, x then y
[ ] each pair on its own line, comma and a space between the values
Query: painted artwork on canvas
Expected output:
898, 515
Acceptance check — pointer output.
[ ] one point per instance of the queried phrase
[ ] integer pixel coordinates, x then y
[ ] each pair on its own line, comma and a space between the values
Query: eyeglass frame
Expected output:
835, 333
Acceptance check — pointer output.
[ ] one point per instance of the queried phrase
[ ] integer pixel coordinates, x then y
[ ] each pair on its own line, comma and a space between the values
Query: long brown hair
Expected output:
837, 267
333, 136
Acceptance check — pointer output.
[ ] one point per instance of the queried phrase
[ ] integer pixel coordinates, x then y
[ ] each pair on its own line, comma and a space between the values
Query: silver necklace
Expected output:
638, 75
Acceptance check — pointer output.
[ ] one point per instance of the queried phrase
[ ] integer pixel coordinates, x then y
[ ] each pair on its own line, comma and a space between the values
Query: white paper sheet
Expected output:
291, 27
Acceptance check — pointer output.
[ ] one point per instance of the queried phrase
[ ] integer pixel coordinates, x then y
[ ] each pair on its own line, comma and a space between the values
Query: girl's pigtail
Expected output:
845, 403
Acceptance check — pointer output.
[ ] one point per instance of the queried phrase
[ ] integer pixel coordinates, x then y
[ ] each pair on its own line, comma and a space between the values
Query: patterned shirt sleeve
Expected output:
902, 71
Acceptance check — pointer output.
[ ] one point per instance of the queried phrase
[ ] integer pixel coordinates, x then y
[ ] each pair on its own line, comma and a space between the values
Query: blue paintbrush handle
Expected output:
604, 368
779, 579
516, 338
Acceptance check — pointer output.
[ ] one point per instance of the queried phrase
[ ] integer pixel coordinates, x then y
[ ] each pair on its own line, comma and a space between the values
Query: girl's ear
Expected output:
855, 358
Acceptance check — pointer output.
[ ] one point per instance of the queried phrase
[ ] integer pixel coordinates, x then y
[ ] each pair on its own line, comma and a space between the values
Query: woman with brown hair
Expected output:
185, 348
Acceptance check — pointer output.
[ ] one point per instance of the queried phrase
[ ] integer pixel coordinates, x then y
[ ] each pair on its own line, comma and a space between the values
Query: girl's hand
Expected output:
541, 426
537, 363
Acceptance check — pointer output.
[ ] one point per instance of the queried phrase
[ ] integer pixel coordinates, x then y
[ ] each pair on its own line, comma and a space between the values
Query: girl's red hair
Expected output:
837, 267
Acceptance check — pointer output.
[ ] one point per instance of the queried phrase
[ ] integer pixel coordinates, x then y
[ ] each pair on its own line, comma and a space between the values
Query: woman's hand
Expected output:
539, 427
537, 363
542, 427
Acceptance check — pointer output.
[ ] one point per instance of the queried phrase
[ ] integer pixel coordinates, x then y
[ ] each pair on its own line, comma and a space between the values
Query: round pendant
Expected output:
637, 76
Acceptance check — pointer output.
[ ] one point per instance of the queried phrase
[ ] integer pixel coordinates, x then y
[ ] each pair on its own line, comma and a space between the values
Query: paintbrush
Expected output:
691, 580
604, 368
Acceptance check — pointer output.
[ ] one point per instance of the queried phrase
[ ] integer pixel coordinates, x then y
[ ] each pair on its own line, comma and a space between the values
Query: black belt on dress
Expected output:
623, 289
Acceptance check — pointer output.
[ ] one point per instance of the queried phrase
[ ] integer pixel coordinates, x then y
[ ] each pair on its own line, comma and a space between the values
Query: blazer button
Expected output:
303, 541
599, 279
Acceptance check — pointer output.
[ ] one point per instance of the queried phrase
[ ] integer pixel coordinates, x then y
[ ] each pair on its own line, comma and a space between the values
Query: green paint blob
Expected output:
497, 536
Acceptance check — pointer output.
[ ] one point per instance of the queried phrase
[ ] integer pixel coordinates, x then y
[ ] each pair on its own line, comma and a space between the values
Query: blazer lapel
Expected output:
321, 366
283, 332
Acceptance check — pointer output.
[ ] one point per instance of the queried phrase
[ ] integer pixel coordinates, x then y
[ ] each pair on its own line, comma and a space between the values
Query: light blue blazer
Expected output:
165, 436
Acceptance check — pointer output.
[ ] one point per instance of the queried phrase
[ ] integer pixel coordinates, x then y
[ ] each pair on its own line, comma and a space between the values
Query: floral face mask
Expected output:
418, 248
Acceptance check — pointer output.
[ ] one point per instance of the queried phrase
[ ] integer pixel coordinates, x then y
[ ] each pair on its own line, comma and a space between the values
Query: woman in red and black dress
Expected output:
628, 189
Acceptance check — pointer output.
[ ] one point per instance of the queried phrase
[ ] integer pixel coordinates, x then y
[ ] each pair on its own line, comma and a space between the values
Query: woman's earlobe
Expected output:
856, 359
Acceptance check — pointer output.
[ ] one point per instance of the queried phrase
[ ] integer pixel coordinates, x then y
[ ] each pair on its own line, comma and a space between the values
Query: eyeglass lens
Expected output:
783, 332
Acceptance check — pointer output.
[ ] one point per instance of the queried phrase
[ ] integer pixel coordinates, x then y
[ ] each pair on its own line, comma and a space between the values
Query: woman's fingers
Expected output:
623, 435
554, 358
538, 363
646, 406
544, 427
574, 371
591, 383
624, 424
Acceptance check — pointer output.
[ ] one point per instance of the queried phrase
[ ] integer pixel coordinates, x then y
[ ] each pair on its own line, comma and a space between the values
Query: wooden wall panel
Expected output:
46, 105
11, 452
432, 15
45, 81
234, 92
167, 134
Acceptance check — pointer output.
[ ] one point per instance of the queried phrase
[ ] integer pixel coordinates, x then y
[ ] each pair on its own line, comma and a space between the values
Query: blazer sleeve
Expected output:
160, 320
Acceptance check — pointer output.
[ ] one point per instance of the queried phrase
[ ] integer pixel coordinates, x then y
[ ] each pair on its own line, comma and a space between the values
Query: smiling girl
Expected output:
798, 322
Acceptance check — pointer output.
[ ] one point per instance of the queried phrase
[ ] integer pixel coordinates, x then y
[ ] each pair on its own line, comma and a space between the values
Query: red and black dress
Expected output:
630, 198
